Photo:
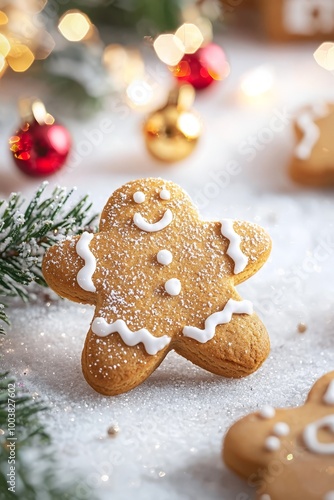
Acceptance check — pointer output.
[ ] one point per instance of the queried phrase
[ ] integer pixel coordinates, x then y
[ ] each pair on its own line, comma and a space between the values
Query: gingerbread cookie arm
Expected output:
216, 345
248, 247
68, 269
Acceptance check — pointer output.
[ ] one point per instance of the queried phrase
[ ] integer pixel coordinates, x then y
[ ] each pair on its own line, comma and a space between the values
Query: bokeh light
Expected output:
139, 93
74, 25
169, 49
257, 82
190, 36
4, 45
20, 58
3, 18
189, 124
324, 56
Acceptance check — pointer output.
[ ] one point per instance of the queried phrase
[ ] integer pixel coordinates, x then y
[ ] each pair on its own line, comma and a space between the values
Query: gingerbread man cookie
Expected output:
287, 453
298, 19
160, 279
313, 160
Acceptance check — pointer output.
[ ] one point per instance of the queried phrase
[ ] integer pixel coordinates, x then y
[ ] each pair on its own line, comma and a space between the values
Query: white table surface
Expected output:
171, 427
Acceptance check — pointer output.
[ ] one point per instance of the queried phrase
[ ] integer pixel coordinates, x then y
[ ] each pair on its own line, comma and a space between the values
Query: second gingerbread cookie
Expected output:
162, 279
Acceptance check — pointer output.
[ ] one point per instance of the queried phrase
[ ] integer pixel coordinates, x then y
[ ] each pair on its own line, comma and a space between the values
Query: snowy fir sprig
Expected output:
30, 453
27, 230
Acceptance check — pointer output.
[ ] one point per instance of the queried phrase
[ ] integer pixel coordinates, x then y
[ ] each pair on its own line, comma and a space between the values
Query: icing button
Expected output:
165, 194
139, 197
173, 286
164, 257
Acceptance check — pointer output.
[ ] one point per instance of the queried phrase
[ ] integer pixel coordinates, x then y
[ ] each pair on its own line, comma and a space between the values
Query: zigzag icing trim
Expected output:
152, 344
85, 275
218, 318
234, 250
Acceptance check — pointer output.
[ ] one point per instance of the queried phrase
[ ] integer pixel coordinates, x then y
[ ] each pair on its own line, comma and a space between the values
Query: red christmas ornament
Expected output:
202, 68
41, 146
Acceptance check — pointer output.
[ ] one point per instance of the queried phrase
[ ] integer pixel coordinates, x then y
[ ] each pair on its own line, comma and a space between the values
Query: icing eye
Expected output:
139, 197
165, 194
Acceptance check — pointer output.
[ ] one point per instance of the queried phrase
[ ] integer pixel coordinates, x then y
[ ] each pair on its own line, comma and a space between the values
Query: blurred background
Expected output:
104, 70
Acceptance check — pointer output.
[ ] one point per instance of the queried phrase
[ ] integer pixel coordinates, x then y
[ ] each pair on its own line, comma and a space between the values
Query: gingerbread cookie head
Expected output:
161, 279
287, 453
298, 19
313, 160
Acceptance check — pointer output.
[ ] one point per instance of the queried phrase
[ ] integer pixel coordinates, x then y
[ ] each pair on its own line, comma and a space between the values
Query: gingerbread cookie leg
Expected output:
233, 342
112, 367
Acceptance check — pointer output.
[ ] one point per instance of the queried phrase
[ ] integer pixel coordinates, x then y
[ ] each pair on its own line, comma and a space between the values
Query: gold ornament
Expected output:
172, 132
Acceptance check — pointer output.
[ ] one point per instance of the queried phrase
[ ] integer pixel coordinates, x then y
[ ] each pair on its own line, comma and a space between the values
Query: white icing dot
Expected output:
281, 429
164, 257
173, 286
165, 194
265, 497
272, 443
267, 412
329, 496
139, 197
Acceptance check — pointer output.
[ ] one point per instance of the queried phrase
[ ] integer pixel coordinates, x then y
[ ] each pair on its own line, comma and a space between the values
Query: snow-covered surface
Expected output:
171, 428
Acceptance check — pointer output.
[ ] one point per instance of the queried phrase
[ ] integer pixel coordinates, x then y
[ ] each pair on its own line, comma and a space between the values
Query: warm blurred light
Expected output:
257, 82
49, 119
40, 113
3, 18
20, 58
189, 124
190, 36
186, 96
3, 64
139, 93
124, 65
74, 25
4, 45
324, 56
169, 49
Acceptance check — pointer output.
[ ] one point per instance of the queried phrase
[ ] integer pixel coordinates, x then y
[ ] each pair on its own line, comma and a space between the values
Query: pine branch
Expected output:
35, 465
26, 232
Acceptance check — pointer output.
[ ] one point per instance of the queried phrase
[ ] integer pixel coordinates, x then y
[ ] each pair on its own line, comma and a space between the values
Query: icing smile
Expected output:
142, 223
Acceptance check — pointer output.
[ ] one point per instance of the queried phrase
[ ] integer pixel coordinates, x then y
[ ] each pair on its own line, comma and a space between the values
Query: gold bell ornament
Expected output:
172, 132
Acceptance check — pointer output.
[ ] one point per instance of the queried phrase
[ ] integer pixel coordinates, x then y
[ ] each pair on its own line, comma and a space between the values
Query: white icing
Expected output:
310, 130
267, 412
218, 318
142, 224
165, 194
329, 496
85, 275
265, 497
173, 286
139, 197
299, 16
310, 436
152, 344
272, 443
329, 396
281, 429
234, 250
164, 257
311, 136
